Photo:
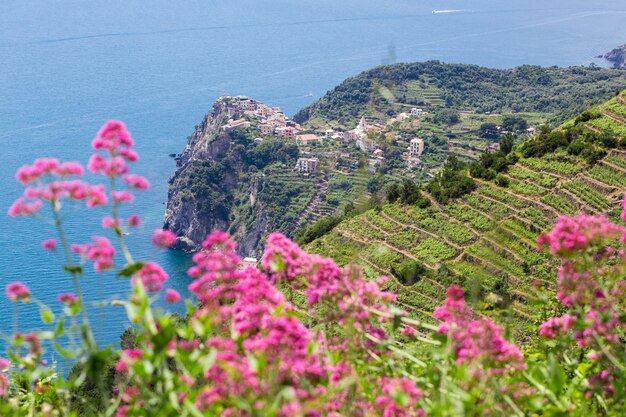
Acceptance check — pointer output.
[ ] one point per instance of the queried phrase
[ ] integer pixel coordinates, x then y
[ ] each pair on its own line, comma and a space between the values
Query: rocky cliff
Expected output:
225, 180
617, 57
209, 178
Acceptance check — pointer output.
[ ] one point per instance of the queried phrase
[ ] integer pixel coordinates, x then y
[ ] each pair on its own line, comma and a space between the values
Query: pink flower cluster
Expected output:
352, 298
252, 320
476, 342
572, 234
100, 251
115, 140
557, 326
254, 311
56, 187
4, 378
590, 286
129, 356
116, 143
17, 291
163, 238
152, 276
398, 398
47, 166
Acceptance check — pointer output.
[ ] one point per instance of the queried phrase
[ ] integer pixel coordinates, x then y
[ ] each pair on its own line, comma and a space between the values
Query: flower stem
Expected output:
88, 335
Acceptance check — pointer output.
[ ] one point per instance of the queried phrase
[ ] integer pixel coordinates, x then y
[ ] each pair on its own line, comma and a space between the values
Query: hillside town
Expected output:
245, 112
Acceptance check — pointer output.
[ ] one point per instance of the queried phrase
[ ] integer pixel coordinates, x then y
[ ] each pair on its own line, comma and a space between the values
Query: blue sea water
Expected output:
69, 65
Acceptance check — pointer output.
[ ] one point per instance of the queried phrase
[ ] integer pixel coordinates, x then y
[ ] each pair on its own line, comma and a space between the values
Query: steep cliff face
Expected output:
210, 177
183, 213
227, 181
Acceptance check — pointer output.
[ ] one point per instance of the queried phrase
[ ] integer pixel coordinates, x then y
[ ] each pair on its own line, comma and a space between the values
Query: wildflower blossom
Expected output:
129, 356
571, 234
21, 207
152, 276
50, 244
557, 326
398, 398
133, 221
163, 238
136, 181
67, 298
122, 196
172, 296
99, 251
110, 223
478, 342
17, 291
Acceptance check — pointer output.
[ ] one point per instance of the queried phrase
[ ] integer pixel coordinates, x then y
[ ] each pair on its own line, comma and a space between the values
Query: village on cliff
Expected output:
244, 112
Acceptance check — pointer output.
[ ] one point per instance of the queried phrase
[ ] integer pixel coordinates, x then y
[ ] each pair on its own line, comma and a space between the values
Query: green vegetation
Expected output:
434, 85
482, 231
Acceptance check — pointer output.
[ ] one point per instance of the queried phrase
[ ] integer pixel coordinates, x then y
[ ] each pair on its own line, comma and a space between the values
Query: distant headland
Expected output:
617, 57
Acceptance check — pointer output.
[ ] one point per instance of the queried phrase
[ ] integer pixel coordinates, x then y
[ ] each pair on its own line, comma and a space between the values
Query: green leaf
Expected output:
66, 353
58, 331
47, 316
130, 269
76, 269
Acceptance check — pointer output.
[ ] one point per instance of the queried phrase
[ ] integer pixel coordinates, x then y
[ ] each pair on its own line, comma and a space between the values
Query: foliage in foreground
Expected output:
301, 336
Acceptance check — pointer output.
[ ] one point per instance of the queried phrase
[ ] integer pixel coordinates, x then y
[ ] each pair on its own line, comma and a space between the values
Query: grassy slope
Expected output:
485, 241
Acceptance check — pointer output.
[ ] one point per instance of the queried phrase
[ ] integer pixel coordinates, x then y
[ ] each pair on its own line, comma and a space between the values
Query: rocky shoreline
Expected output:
617, 57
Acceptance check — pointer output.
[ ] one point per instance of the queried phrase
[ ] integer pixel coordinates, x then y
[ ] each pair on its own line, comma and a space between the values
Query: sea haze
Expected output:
67, 66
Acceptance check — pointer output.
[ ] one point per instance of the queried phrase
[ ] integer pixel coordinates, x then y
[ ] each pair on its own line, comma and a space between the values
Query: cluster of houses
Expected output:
271, 121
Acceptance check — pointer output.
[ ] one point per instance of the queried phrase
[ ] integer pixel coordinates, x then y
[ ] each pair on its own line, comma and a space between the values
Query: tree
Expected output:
447, 116
393, 192
506, 143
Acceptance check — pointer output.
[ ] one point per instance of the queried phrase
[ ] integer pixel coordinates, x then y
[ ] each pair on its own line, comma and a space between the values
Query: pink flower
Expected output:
67, 298
23, 208
133, 221
70, 168
17, 291
110, 223
122, 411
163, 238
152, 276
129, 357
99, 251
172, 296
96, 196
129, 155
50, 244
476, 342
572, 234
398, 398
136, 181
4, 364
111, 136
556, 326
122, 196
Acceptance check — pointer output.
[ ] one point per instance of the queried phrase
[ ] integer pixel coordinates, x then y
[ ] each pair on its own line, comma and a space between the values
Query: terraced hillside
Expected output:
486, 240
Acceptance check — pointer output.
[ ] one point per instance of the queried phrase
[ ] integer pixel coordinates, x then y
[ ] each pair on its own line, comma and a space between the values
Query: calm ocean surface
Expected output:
66, 68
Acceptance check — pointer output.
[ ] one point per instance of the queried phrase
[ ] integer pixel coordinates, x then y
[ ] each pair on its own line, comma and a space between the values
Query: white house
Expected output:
416, 147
